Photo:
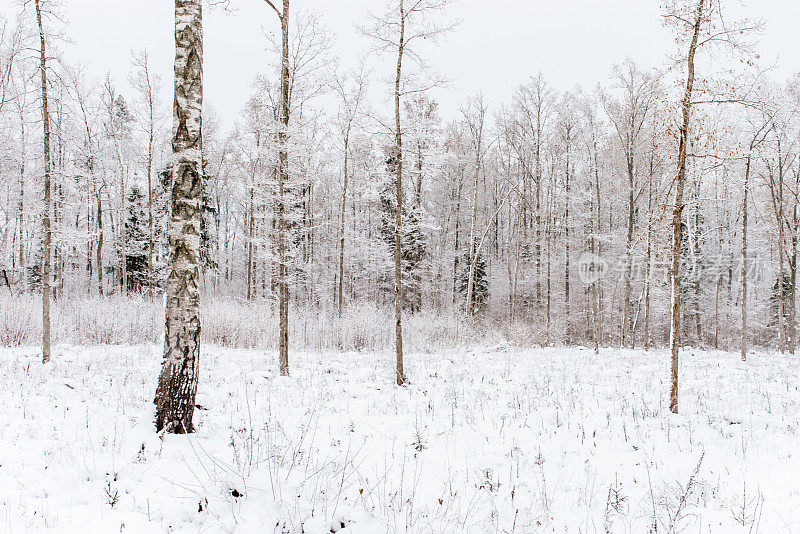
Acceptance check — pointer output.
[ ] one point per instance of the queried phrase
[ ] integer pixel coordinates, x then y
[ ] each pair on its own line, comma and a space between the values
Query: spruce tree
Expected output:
413, 258
413, 241
387, 204
137, 239
775, 301
480, 285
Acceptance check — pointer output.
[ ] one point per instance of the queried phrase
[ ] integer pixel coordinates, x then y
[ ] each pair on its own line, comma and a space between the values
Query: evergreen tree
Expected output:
775, 298
387, 204
414, 243
413, 258
137, 239
480, 285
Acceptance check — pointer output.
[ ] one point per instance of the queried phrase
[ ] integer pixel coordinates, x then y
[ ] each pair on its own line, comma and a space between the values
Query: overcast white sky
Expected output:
498, 44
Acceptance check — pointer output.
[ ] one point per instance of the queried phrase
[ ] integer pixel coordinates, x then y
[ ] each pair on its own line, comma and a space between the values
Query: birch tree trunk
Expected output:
47, 234
177, 384
398, 273
283, 177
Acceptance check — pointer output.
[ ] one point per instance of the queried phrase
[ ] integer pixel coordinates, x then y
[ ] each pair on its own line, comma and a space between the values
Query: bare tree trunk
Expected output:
776, 191
568, 326
250, 238
226, 242
150, 236
124, 231
47, 202
475, 124
456, 244
398, 274
473, 223
649, 260
538, 217
283, 178
177, 384
99, 242
594, 226
56, 169
781, 303
716, 312
341, 230
513, 256
792, 287
696, 262
21, 205
549, 235
677, 214
744, 257
151, 115
598, 250
477, 246
626, 311
90, 244
94, 218
781, 272
793, 274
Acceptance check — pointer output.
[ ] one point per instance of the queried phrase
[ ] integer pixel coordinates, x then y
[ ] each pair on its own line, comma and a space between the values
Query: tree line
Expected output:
659, 208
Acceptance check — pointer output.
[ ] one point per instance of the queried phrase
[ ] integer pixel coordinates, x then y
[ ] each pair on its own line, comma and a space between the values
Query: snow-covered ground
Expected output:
483, 440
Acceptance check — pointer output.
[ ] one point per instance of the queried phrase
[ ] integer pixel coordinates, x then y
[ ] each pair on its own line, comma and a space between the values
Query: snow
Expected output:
483, 440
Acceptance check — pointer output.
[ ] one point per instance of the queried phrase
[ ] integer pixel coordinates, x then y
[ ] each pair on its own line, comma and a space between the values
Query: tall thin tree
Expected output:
406, 23
283, 178
628, 115
177, 384
677, 213
147, 86
46, 223
699, 24
351, 100
758, 137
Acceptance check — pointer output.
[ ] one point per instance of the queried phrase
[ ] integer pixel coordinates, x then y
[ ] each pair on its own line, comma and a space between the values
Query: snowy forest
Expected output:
346, 309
